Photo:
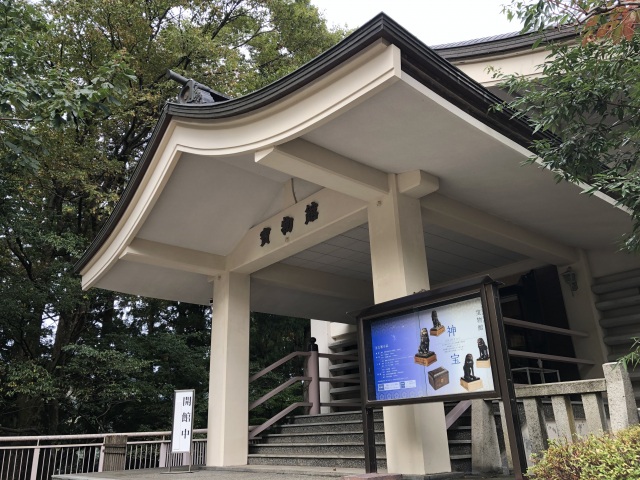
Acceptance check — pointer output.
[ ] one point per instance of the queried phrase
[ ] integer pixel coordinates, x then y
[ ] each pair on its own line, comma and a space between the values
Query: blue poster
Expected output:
432, 352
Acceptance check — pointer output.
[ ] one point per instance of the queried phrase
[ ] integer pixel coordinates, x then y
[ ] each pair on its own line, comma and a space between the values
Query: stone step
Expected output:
342, 390
336, 440
321, 449
336, 367
627, 292
354, 415
623, 284
621, 339
346, 353
459, 447
459, 433
342, 461
630, 301
461, 463
620, 321
322, 427
351, 341
336, 379
618, 303
343, 403
616, 277
327, 437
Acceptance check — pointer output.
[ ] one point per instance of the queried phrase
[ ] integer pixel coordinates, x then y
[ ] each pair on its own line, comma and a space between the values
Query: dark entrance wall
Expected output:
537, 298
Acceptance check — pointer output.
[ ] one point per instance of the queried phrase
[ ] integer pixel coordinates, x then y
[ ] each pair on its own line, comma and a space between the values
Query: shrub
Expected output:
603, 457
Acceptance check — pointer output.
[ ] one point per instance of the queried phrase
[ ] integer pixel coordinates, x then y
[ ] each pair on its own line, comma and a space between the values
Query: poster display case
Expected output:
431, 346
440, 345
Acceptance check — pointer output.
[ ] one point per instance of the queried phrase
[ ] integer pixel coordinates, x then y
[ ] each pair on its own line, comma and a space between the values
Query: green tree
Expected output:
271, 338
588, 95
82, 84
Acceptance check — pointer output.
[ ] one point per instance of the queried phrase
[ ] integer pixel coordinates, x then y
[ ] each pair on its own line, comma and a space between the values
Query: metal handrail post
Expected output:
313, 368
101, 459
35, 462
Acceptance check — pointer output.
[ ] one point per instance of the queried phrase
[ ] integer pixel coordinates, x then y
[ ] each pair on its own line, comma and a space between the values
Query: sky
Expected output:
433, 22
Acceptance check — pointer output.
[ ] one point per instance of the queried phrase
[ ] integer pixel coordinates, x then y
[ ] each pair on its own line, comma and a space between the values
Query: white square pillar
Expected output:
320, 331
415, 435
228, 423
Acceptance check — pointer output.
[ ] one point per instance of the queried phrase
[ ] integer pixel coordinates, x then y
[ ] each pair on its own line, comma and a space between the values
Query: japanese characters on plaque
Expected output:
182, 421
287, 224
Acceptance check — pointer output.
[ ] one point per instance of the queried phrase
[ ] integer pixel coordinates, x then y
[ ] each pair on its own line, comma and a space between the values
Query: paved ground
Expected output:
245, 473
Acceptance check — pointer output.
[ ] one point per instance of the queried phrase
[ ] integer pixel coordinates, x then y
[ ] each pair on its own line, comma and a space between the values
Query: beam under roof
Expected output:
475, 223
177, 258
318, 165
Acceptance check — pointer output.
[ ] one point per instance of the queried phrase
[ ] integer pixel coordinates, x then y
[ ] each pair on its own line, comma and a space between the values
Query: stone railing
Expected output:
562, 411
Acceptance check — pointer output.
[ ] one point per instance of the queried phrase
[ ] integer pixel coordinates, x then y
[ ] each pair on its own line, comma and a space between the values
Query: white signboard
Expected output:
183, 404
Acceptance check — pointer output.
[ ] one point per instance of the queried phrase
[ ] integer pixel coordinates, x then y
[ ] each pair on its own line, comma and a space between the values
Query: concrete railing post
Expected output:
485, 451
164, 450
623, 411
594, 413
563, 415
505, 436
536, 425
313, 371
115, 453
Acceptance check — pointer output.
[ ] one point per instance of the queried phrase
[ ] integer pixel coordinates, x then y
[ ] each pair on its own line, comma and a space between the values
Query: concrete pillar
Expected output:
485, 450
594, 413
415, 435
536, 425
582, 314
563, 415
505, 436
227, 438
623, 411
320, 330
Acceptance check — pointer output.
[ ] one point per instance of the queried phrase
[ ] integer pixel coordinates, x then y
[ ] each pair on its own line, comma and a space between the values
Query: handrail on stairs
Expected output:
313, 392
312, 377
276, 364
456, 412
256, 431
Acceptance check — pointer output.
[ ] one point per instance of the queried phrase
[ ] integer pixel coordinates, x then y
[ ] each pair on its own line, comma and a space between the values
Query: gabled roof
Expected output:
379, 106
418, 60
506, 43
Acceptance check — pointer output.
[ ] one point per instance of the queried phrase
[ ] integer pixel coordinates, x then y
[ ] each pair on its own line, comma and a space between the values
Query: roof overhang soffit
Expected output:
462, 218
273, 133
361, 77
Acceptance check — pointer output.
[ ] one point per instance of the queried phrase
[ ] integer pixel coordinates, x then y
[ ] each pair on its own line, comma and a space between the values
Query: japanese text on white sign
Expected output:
182, 421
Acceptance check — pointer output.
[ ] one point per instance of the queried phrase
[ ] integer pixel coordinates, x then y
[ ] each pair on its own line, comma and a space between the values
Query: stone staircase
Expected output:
618, 300
344, 396
327, 440
336, 440
459, 435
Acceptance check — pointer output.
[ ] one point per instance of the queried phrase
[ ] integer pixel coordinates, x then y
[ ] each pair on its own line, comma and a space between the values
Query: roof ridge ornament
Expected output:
194, 92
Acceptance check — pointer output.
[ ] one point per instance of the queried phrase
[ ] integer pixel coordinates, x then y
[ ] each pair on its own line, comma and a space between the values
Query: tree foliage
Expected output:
588, 95
273, 337
81, 85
